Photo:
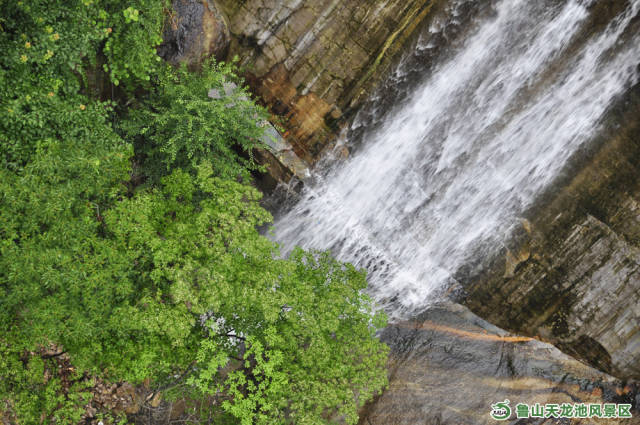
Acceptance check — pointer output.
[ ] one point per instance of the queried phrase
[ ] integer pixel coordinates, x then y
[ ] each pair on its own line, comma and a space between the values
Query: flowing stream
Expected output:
448, 172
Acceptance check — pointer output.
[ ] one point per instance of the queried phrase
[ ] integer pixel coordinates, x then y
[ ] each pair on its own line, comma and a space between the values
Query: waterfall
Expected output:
449, 171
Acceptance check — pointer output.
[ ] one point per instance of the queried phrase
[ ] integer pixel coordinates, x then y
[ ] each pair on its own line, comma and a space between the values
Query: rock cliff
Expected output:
573, 276
312, 62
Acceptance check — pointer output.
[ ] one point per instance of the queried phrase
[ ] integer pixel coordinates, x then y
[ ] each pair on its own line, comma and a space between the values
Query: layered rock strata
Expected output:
312, 62
573, 275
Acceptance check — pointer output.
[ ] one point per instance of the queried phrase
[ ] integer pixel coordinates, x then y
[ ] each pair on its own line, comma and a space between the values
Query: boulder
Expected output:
195, 30
448, 366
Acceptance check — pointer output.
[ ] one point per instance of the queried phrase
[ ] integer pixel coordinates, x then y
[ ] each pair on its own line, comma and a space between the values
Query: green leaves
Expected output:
301, 328
131, 14
133, 33
42, 47
164, 279
179, 124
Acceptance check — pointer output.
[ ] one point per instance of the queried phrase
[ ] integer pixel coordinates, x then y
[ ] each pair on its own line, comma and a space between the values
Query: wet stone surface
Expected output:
195, 31
448, 366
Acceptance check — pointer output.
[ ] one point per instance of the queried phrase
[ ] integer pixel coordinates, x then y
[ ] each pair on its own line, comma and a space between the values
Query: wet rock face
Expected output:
311, 61
583, 296
195, 30
448, 366
573, 277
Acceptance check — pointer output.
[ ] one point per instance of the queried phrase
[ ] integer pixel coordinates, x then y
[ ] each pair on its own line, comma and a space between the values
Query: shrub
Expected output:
178, 124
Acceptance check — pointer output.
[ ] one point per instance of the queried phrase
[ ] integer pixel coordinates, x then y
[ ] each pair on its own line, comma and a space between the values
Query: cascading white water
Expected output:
450, 171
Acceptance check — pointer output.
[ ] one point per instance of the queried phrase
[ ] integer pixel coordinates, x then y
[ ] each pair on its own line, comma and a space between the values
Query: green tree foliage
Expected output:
178, 123
301, 326
170, 279
42, 49
44, 44
36, 390
134, 31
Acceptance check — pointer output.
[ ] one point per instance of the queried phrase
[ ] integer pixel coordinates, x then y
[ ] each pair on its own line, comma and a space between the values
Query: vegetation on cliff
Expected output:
128, 237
